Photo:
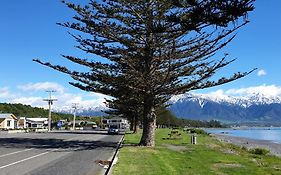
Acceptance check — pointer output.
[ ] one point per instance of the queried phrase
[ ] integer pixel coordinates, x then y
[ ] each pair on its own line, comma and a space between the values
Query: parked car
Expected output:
113, 130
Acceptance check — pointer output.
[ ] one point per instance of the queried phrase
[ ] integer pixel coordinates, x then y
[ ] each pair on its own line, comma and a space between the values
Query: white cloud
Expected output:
4, 92
85, 100
42, 86
219, 93
268, 90
261, 72
33, 101
33, 94
91, 100
64, 101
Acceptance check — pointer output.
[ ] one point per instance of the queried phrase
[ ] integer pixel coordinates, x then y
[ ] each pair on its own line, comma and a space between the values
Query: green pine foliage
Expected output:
152, 49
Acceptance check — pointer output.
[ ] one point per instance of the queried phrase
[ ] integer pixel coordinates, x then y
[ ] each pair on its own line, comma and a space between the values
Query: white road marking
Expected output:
15, 152
48, 151
5, 166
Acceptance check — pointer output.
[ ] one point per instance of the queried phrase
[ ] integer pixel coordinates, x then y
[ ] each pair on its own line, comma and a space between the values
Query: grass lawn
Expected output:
178, 156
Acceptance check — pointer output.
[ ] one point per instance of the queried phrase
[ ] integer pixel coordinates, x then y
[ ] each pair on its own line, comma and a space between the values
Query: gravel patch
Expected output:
274, 148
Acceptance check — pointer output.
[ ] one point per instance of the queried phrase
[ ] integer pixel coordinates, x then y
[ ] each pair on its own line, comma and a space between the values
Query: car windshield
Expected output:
113, 127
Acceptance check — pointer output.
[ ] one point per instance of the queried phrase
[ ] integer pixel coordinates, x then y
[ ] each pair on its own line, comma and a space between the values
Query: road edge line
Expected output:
109, 169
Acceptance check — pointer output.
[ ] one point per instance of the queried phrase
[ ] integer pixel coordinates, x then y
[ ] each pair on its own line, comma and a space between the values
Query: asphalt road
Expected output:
61, 153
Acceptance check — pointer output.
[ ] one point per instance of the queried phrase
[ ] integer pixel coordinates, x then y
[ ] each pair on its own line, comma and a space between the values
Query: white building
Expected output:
8, 121
121, 123
36, 122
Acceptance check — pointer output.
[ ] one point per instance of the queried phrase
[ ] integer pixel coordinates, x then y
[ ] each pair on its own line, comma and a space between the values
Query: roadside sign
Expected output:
59, 124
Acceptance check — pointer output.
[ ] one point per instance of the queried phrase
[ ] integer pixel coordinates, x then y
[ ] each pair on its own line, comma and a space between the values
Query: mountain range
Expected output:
83, 111
256, 108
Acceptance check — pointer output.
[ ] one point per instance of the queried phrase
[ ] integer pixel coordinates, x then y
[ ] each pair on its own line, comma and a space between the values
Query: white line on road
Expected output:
15, 152
48, 151
23, 160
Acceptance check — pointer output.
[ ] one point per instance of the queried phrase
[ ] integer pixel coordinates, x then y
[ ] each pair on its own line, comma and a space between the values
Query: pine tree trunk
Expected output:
149, 124
136, 126
132, 125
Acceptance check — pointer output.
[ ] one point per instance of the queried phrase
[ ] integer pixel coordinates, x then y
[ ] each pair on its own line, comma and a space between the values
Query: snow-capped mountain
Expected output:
252, 108
247, 101
83, 110
257, 108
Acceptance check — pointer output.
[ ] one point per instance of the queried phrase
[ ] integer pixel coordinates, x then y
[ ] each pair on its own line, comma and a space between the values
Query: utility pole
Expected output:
74, 106
50, 103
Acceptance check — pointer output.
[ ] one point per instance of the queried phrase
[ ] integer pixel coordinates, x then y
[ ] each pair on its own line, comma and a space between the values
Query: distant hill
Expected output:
21, 110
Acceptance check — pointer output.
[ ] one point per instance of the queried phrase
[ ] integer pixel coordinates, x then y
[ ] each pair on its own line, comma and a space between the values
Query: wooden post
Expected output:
193, 140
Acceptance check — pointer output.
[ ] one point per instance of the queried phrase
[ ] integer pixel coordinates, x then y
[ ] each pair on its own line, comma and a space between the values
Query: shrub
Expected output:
259, 151
198, 131
234, 147
244, 148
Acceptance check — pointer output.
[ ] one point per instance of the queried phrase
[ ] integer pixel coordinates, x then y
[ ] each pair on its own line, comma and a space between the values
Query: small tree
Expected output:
155, 48
129, 106
165, 117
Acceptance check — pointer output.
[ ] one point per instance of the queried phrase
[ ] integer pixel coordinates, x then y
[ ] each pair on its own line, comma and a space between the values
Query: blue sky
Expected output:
28, 30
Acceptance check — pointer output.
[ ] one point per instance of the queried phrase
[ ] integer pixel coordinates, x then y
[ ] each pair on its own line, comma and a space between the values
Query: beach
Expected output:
274, 148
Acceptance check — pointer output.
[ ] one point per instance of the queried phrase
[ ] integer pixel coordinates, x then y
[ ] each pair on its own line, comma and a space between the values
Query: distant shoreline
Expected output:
274, 148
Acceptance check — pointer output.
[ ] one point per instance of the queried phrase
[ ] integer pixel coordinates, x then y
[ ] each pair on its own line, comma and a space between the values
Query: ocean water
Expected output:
269, 134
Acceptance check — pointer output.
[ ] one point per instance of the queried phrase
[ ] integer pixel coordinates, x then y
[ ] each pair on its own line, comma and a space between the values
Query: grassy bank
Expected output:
178, 156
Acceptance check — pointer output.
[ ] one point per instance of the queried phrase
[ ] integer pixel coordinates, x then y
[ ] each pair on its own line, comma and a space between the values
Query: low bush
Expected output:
234, 147
244, 148
259, 151
197, 131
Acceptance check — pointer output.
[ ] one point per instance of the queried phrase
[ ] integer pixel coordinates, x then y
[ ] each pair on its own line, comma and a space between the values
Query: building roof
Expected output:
115, 118
37, 119
4, 116
76, 122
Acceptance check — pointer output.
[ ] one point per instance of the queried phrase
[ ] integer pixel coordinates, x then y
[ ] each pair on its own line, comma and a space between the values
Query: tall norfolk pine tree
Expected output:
154, 48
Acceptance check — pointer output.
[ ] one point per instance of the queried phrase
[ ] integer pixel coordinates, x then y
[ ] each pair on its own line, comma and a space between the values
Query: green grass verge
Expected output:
178, 157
